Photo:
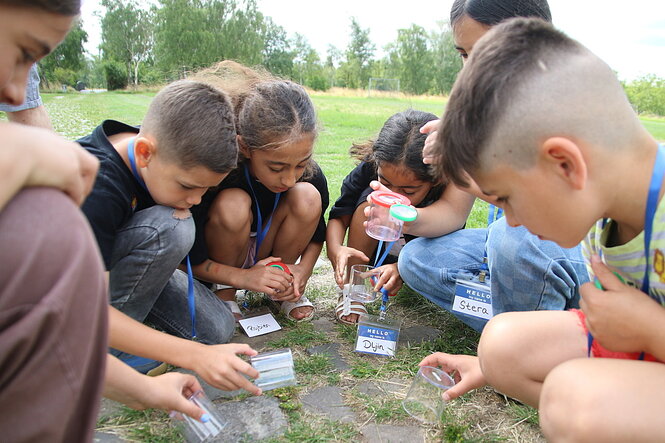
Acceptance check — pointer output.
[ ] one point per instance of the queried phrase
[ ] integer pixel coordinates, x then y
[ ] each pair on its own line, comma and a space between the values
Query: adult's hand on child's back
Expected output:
615, 314
430, 128
267, 279
467, 373
220, 366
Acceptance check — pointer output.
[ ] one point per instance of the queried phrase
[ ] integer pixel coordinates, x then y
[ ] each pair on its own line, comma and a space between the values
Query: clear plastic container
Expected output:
424, 401
363, 279
275, 369
196, 431
384, 224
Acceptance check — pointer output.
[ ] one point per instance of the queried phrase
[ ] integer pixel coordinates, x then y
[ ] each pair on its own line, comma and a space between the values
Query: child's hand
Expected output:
616, 315
467, 376
220, 367
341, 262
301, 275
389, 279
168, 392
267, 279
430, 128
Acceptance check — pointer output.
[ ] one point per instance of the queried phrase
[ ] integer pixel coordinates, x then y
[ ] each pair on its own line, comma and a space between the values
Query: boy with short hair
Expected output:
544, 128
148, 179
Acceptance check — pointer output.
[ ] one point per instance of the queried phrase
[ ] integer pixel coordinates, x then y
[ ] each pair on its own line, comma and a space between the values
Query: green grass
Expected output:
299, 334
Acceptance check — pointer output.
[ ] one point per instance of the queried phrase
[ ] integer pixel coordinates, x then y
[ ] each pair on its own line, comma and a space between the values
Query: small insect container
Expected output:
275, 369
205, 430
382, 222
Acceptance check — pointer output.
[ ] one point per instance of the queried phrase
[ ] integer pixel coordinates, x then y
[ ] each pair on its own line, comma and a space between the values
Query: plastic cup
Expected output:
424, 401
196, 431
380, 225
363, 279
275, 369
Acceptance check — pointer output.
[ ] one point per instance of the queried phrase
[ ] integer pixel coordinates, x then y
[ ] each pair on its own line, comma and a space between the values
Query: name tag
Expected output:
259, 325
375, 340
473, 299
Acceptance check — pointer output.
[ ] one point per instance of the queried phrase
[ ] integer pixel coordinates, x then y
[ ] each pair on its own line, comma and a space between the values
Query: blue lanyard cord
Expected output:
490, 214
650, 213
132, 163
190, 275
261, 231
378, 262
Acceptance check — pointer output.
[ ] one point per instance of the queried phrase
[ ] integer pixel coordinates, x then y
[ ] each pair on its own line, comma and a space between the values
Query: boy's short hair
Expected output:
193, 125
525, 82
63, 7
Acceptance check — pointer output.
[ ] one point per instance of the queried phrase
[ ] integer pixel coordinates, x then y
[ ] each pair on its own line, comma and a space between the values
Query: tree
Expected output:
446, 61
359, 53
127, 35
67, 60
412, 60
277, 55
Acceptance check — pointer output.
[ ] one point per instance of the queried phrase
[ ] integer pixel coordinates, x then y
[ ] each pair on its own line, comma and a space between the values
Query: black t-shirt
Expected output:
116, 194
266, 199
355, 189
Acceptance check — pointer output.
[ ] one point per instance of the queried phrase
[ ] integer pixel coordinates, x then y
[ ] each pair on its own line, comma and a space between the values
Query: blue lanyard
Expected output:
261, 231
378, 262
490, 214
190, 275
657, 176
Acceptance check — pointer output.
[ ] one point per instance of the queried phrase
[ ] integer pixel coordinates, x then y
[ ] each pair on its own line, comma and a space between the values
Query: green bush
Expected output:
647, 95
116, 75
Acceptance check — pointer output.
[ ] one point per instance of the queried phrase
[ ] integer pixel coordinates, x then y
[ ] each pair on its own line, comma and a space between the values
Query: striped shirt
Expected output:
628, 260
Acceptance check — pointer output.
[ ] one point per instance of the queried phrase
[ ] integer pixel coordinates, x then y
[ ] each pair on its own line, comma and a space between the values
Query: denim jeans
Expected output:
145, 284
526, 273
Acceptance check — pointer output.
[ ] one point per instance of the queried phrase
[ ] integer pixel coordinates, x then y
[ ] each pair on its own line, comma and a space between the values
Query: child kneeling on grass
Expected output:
271, 206
139, 210
545, 129
393, 161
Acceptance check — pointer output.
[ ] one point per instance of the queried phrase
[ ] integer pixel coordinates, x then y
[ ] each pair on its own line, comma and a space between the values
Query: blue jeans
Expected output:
527, 274
145, 284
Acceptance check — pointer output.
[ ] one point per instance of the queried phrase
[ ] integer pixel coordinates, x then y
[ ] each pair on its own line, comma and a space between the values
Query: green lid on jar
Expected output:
404, 213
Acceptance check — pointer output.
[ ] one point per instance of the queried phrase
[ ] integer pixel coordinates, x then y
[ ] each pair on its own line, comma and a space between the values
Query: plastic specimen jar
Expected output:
363, 279
208, 428
275, 369
424, 401
380, 224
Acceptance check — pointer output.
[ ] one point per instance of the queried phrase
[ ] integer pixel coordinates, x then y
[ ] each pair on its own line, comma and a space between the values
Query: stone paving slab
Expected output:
328, 401
418, 334
376, 433
107, 437
393, 386
253, 418
331, 350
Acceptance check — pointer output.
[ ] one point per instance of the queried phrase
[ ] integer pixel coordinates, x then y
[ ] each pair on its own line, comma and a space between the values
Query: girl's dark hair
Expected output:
399, 143
62, 7
493, 12
269, 111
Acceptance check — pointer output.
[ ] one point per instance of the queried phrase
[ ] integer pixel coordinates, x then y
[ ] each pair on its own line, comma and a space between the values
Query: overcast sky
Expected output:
628, 35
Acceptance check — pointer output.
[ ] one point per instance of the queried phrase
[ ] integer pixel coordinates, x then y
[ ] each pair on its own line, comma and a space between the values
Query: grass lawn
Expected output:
479, 416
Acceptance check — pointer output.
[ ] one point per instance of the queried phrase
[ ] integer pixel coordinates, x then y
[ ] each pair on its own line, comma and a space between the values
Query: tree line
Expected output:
174, 37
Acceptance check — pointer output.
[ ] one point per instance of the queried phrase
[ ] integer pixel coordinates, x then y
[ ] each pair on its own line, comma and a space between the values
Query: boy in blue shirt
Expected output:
148, 179
545, 129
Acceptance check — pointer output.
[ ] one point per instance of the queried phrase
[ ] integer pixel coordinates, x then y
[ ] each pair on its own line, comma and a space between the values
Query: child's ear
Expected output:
242, 146
566, 160
144, 150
